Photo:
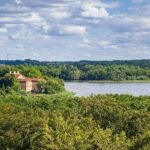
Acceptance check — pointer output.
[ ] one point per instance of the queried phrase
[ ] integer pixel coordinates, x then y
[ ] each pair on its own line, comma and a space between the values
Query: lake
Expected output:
87, 88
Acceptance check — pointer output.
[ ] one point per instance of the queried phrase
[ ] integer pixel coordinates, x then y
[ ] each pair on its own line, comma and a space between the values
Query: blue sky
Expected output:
63, 30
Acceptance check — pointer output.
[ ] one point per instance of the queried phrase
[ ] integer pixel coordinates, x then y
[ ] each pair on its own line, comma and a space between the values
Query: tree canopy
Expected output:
62, 121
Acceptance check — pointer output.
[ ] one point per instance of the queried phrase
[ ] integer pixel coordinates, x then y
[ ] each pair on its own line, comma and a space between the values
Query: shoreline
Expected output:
107, 81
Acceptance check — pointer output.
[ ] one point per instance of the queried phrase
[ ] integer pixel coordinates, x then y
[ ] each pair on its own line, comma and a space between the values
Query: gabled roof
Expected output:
22, 78
19, 76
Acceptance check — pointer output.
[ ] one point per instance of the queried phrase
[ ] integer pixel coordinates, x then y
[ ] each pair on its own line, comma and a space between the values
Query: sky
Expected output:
73, 30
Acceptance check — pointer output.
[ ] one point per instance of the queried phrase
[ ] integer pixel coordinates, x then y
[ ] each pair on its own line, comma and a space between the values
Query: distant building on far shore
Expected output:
27, 84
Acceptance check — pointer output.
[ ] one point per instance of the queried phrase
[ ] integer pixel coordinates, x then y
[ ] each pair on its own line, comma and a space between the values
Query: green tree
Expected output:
50, 86
9, 82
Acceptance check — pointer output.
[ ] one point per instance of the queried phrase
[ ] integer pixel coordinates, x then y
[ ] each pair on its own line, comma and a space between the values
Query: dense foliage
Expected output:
100, 72
48, 84
85, 70
65, 122
8, 83
54, 122
51, 86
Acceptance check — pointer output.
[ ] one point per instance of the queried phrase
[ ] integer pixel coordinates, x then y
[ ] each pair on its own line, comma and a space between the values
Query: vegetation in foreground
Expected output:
65, 122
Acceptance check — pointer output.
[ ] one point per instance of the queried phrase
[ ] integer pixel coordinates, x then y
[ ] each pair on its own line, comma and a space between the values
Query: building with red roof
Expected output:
27, 84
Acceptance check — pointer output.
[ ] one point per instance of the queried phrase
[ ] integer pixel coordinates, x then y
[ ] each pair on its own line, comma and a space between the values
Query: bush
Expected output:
50, 86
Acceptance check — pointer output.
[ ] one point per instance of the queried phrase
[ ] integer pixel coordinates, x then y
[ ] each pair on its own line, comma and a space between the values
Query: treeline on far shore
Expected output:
85, 70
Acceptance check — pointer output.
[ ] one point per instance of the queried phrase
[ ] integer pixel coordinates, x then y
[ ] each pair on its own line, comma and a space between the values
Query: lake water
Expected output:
87, 88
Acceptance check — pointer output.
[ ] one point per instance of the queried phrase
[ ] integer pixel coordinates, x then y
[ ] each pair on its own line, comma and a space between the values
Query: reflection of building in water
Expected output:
27, 84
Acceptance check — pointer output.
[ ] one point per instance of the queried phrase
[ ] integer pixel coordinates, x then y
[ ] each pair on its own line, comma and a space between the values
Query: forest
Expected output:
65, 122
136, 70
58, 120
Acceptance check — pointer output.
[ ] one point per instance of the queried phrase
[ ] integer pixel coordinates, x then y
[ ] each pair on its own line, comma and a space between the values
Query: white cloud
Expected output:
10, 25
26, 32
3, 30
25, 18
89, 10
2, 42
102, 27
104, 43
109, 5
46, 28
85, 40
84, 45
72, 29
33, 18
18, 2
130, 23
60, 14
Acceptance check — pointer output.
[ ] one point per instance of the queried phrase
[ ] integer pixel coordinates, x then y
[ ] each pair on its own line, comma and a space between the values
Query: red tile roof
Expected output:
22, 78
17, 75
